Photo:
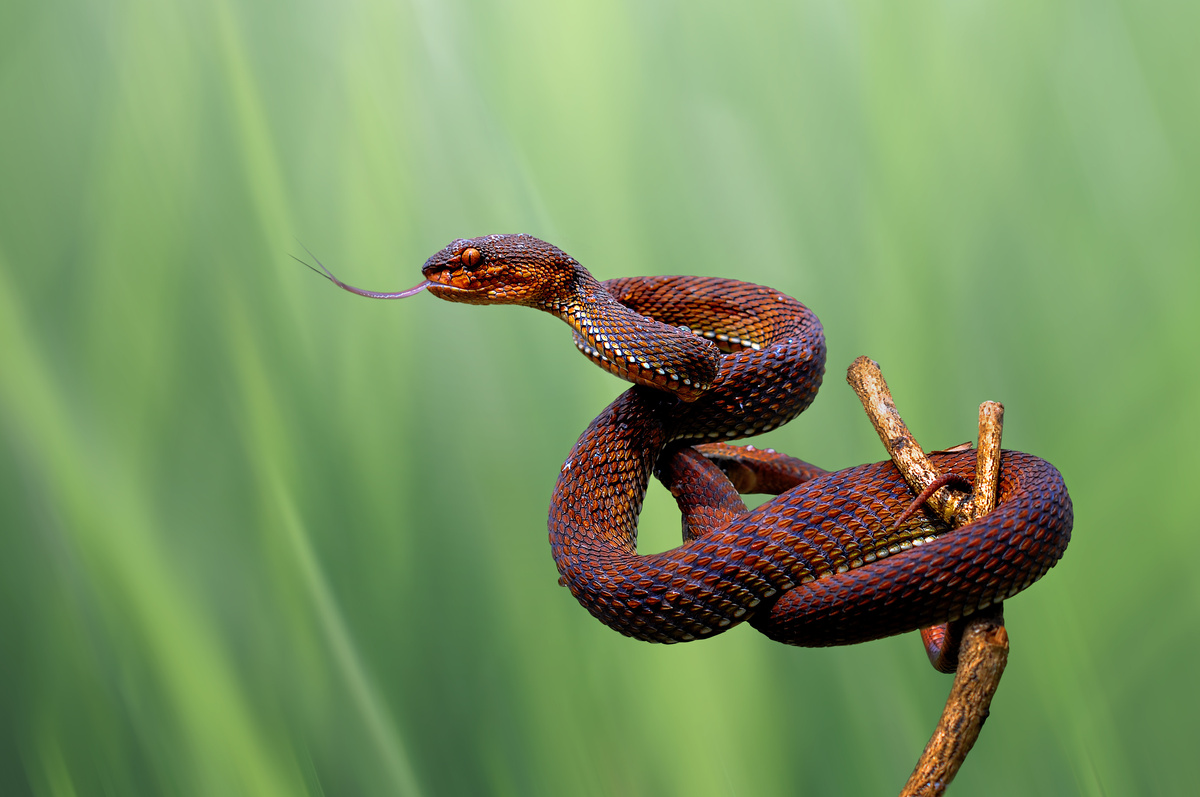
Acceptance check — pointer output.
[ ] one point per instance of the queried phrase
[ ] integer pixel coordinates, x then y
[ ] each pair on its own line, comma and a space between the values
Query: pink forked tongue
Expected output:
422, 285
324, 272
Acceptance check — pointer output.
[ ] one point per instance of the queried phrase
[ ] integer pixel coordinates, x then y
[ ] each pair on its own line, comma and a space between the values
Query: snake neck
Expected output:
632, 346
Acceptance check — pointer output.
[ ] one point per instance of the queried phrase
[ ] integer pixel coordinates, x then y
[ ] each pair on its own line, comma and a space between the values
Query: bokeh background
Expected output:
264, 537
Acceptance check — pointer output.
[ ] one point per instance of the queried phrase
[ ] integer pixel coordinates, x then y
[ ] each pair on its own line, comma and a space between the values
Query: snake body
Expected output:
818, 565
715, 360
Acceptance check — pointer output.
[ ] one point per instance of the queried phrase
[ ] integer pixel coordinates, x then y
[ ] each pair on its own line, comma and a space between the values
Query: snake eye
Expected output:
470, 257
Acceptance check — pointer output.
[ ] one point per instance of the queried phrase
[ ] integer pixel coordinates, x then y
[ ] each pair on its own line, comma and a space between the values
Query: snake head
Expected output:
502, 269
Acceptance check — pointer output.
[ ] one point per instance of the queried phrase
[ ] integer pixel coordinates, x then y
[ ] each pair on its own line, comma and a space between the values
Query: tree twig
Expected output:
980, 642
867, 380
982, 656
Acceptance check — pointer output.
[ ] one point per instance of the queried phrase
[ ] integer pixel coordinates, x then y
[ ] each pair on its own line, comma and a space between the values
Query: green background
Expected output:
264, 537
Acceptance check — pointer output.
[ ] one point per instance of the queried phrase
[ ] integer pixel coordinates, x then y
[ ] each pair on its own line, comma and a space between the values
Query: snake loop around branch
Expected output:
832, 560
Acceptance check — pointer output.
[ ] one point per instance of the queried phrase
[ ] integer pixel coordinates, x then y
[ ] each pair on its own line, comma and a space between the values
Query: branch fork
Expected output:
975, 648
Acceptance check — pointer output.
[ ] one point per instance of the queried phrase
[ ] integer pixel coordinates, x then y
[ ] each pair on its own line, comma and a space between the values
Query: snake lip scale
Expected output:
833, 559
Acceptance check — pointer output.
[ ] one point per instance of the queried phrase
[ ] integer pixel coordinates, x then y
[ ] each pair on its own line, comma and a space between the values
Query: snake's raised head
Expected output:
494, 269
503, 269
523, 270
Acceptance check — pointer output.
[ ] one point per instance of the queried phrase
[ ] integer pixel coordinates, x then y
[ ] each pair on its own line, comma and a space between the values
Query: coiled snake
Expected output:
824, 563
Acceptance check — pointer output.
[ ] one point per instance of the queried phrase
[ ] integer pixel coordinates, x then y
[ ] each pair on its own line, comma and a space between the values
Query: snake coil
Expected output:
715, 360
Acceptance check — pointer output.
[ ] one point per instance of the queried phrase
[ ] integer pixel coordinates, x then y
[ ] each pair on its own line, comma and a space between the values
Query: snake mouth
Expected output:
447, 279
456, 284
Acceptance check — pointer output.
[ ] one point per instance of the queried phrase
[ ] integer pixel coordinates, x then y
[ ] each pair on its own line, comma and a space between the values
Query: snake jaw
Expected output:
460, 286
444, 282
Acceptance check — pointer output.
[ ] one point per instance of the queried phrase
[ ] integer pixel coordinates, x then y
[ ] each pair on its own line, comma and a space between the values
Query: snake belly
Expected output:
819, 564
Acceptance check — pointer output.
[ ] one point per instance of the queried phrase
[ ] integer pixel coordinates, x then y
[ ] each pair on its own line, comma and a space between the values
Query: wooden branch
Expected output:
987, 460
982, 656
980, 640
867, 380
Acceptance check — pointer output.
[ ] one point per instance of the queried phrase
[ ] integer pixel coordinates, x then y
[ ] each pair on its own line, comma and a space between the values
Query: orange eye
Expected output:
470, 257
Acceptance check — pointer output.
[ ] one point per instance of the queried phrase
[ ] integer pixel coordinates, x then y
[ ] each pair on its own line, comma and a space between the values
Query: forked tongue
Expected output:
324, 272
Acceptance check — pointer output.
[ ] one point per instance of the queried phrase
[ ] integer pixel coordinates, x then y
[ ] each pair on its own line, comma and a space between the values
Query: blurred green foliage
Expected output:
263, 537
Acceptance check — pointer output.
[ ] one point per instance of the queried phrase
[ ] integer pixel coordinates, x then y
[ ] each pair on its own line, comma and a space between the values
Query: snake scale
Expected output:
713, 360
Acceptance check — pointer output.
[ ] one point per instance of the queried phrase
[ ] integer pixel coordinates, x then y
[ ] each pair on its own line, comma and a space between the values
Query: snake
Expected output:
834, 558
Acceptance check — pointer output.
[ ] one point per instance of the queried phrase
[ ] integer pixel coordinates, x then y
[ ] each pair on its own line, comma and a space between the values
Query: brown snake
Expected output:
824, 563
